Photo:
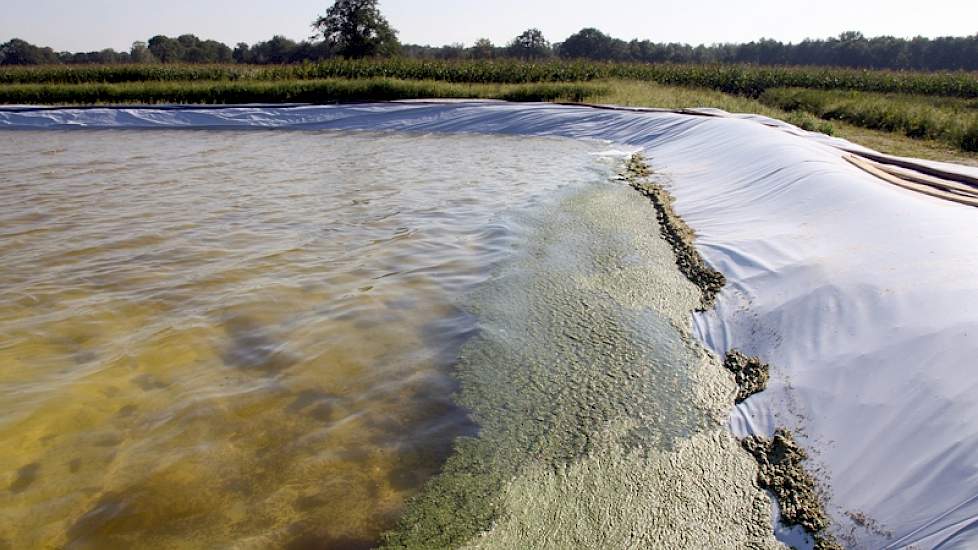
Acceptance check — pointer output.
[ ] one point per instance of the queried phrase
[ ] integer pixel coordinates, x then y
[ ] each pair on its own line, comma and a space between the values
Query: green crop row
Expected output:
294, 91
749, 81
951, 121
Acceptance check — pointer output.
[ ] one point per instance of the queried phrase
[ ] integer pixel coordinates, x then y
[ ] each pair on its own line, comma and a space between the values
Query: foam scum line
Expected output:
779, 459
675, 232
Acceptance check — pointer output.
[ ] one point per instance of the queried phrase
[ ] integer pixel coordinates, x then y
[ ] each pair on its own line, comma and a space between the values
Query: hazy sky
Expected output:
78, 25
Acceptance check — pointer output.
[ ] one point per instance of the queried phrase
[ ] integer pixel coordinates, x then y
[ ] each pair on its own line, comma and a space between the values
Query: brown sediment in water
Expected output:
750, 373
675, 231
780, 460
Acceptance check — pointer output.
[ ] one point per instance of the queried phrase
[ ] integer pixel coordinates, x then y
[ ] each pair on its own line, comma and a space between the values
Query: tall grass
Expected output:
749, 81
296, 91
643, 94
954, 122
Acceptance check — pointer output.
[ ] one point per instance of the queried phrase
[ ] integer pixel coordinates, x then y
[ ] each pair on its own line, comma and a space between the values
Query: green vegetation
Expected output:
291, 91
631, 93
750, 81
359, 58
529, 45
356, 28
952, 121
937, 121
369, 34
186, 48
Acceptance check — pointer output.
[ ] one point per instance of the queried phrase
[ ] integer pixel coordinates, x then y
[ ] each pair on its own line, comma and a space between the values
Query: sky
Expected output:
73, 25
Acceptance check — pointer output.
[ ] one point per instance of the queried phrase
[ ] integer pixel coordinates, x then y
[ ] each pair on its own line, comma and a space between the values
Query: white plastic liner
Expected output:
862, 295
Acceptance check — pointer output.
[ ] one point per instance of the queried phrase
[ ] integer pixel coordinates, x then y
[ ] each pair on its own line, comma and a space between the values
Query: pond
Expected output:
277, 339
242, 336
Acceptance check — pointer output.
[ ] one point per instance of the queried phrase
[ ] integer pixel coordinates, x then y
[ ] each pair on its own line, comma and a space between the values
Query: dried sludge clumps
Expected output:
675, 232
750, 373
781, 472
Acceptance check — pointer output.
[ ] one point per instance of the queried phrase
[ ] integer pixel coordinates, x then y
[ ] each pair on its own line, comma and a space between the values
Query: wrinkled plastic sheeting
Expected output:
863, 296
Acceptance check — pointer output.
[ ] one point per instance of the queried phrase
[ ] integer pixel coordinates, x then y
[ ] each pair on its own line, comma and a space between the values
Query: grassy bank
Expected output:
295, 91
749, 81
627, 93
620, 92
642, 94
952, 121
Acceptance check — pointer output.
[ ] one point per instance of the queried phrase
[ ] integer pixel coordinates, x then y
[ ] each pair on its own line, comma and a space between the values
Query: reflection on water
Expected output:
215, 338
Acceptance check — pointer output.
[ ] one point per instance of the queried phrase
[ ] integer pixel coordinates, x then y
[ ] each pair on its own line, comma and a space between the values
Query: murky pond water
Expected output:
242, 338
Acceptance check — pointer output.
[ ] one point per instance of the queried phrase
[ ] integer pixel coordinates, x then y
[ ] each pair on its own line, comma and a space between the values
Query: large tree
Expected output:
590, 43
482, 49
356, 28
20, 52
187, 48
139, 53
529, 45
166, 49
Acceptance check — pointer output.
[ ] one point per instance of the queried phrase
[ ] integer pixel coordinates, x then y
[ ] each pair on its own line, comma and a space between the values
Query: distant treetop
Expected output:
591, 43
530, 45
356, 28
188, 48
19, 52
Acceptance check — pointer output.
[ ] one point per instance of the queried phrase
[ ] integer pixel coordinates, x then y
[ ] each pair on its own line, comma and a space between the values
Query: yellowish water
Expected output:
213, 339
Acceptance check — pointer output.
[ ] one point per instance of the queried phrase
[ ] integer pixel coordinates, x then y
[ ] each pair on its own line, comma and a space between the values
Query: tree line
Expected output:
356, 28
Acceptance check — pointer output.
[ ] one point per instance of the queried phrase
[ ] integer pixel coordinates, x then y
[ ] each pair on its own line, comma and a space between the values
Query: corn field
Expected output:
290, 91
748, 81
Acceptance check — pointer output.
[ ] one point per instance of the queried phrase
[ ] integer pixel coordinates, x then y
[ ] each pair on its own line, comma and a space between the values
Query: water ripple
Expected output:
216, 338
